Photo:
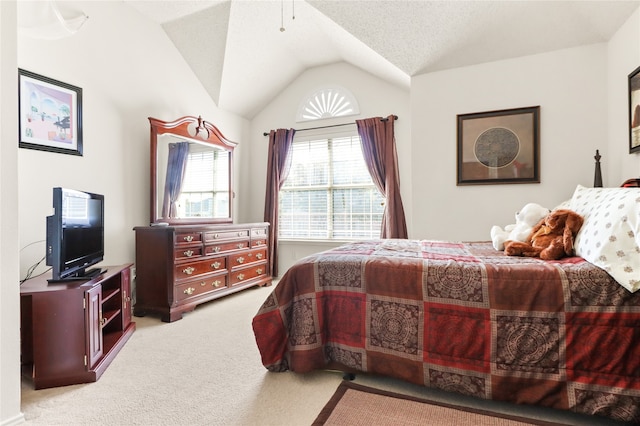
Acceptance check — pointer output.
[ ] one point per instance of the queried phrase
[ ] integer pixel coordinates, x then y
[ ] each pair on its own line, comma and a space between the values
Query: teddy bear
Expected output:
526, 219
551, 238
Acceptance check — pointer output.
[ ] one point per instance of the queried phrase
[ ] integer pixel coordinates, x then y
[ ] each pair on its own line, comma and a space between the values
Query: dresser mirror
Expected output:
191, 172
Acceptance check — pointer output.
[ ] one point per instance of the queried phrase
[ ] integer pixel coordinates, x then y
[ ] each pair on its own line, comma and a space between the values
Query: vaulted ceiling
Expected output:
246, 51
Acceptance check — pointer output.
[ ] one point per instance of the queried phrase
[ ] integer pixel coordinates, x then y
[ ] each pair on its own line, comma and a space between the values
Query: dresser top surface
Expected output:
201, 227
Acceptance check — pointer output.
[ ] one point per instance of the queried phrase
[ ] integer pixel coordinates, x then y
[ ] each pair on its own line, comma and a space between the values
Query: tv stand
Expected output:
71, 331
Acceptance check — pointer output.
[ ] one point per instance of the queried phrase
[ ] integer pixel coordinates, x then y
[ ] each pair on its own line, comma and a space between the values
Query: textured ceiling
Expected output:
243, 59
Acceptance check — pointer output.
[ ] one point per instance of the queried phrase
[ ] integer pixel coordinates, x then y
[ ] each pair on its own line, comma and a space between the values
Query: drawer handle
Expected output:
216, 283
216, 249
216, 265
216, 236
202, 284
240, 245
259, 256
259, 271
240, 259
189, 291
189, 270
188, 253
188, 238
259, 243
240, 234
240, 277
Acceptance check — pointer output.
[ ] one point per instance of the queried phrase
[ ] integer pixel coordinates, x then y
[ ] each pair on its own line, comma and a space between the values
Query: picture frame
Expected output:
50, 114
634, 111
499, 147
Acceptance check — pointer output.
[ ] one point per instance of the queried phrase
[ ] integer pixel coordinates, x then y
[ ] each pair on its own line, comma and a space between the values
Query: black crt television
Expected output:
75, 235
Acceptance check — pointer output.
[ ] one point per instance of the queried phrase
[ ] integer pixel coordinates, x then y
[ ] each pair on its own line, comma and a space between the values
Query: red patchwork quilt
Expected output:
461, 317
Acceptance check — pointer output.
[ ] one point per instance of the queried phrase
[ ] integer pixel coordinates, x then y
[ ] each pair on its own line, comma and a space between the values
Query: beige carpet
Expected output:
205, 370
356, 405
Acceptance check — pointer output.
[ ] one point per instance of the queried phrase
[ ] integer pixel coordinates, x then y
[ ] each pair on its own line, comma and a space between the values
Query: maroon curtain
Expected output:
176, 166
278, 165
379, 150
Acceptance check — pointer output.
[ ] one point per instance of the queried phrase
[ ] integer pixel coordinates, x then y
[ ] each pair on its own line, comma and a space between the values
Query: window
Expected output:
329, 193
205, 185
327, 102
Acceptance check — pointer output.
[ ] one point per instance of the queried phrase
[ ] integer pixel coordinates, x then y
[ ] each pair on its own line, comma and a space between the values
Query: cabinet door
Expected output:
93, 321
126, 297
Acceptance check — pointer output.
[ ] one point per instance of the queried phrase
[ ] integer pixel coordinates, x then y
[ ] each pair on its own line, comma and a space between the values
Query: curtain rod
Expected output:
333, 125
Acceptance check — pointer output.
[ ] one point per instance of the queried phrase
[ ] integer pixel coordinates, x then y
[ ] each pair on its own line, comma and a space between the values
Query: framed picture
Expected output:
50, 116
634, 111
499, 147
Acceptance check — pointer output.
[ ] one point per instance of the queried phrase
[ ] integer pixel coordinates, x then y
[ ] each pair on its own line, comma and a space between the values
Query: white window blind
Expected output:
205, 183
329, 193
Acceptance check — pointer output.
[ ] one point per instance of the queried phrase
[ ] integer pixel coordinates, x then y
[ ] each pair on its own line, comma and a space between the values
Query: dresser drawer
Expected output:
188, 237
225, 247
259, 233
210, 237
201, 286
239, 276
247, 257
192, 269
183, 253
258, 243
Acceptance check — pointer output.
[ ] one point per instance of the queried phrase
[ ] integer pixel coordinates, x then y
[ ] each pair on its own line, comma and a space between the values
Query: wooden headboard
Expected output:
597, 178
631, 183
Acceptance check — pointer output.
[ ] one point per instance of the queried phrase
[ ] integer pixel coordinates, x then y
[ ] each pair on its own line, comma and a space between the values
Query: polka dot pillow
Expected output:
610, 235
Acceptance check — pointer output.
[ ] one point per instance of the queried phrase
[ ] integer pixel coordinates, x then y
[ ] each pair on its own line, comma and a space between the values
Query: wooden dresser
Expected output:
179, 267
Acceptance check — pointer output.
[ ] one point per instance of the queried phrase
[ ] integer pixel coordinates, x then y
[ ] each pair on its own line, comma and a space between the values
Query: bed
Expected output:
463, 317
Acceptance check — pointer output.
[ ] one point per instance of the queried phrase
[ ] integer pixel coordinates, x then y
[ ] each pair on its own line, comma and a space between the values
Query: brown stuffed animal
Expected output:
551, 238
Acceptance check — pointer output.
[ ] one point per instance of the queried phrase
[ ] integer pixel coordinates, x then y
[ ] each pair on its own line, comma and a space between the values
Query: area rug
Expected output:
355, 405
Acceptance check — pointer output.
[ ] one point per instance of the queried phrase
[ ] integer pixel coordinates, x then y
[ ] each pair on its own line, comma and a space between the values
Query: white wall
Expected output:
128, 70
376, 98
623, 56
9, 290
583, 98
570, 87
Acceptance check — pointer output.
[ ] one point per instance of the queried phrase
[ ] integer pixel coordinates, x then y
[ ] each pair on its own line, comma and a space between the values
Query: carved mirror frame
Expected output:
191, 129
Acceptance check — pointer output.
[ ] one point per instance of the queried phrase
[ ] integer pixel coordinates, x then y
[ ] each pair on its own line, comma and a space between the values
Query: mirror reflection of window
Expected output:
205, 190
75, 209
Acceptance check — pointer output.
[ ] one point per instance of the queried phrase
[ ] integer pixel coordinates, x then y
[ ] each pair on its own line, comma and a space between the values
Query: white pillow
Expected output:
610, 235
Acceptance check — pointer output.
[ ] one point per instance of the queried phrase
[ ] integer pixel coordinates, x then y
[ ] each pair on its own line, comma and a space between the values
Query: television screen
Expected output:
75, 234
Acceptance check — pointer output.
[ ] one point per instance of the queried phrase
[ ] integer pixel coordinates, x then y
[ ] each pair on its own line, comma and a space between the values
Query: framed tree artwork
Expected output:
634, 111
499, 147
50, 115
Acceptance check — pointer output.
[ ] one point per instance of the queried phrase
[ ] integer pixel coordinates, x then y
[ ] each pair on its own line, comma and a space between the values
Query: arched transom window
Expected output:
327, 102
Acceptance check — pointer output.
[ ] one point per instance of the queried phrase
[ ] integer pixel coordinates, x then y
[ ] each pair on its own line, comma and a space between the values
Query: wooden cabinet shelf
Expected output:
108, 316
70, 332
106, 295
179, 267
